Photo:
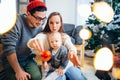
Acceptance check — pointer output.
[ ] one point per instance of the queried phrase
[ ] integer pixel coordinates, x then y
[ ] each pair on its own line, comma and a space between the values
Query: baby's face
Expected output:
55, 42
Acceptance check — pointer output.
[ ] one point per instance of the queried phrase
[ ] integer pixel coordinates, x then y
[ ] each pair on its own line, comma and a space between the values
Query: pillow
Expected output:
69, 28
76, 36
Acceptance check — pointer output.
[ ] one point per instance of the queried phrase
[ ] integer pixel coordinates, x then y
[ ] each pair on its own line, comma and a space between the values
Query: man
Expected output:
17, 57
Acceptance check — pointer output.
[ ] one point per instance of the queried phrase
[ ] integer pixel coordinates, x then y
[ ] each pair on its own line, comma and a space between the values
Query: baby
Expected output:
59, 59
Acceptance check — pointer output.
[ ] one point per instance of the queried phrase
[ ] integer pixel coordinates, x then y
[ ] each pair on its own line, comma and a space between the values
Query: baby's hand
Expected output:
60, 71
45, 65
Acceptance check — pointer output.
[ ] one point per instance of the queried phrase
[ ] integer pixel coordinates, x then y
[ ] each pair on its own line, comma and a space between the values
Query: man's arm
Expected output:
14, 62
19, 73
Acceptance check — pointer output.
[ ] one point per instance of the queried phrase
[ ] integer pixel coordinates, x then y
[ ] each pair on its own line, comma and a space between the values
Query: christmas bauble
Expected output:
46, 55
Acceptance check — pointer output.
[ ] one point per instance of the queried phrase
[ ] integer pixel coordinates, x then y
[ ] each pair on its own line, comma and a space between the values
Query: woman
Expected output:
40, 43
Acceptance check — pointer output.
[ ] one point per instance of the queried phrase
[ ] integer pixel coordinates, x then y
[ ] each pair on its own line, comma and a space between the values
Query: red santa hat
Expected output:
35, 3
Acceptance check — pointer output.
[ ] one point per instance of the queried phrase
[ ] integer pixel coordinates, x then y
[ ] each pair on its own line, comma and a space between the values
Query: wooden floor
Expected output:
88, 69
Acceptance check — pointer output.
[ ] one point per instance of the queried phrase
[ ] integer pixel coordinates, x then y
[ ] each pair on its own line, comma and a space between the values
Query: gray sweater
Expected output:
16, 39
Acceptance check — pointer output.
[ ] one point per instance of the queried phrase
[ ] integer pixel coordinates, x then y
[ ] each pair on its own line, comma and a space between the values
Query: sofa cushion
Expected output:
76, 36
69, 28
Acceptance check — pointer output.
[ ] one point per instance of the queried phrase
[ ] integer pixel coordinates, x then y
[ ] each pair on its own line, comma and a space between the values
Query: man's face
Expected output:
37, 18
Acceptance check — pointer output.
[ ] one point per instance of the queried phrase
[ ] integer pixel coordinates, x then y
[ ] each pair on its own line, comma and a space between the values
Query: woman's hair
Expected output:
47, 27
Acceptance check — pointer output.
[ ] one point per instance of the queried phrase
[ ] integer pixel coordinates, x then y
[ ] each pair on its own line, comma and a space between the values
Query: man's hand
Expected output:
22, 75
72, 56
19, 73
36, 44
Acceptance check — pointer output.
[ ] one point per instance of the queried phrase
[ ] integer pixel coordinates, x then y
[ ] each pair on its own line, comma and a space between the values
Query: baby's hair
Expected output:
52, 34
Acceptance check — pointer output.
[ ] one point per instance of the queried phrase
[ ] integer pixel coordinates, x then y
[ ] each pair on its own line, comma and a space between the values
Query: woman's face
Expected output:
55, 23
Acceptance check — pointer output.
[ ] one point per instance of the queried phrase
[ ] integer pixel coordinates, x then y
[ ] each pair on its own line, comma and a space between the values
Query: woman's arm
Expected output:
68, 43
72, 54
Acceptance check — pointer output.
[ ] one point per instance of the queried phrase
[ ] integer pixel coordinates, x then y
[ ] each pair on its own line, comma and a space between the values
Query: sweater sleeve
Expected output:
9, 41
68, 43
43, 38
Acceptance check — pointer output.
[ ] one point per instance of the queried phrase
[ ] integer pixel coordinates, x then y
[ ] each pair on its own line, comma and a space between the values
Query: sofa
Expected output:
73, 32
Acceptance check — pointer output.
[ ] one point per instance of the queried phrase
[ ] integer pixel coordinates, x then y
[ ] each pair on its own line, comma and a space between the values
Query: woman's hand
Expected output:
72, 56
36, 44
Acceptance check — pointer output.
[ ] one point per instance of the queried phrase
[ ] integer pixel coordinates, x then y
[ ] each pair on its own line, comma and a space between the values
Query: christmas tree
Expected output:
104, 34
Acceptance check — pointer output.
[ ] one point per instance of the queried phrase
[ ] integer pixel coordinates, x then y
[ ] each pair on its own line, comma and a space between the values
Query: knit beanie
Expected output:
35, 3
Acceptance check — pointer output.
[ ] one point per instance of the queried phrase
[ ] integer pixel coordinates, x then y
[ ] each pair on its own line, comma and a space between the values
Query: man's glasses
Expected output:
39, 18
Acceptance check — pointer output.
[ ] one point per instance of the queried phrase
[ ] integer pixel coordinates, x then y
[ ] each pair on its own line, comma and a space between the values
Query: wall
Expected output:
67, 8
81, 19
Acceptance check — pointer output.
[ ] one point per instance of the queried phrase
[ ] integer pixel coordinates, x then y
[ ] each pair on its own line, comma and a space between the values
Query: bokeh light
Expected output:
84, 10
103, 11
7, 15
103, 59
85, 34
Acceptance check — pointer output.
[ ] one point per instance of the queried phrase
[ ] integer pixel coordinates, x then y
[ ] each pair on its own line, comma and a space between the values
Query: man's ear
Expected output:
28, 13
